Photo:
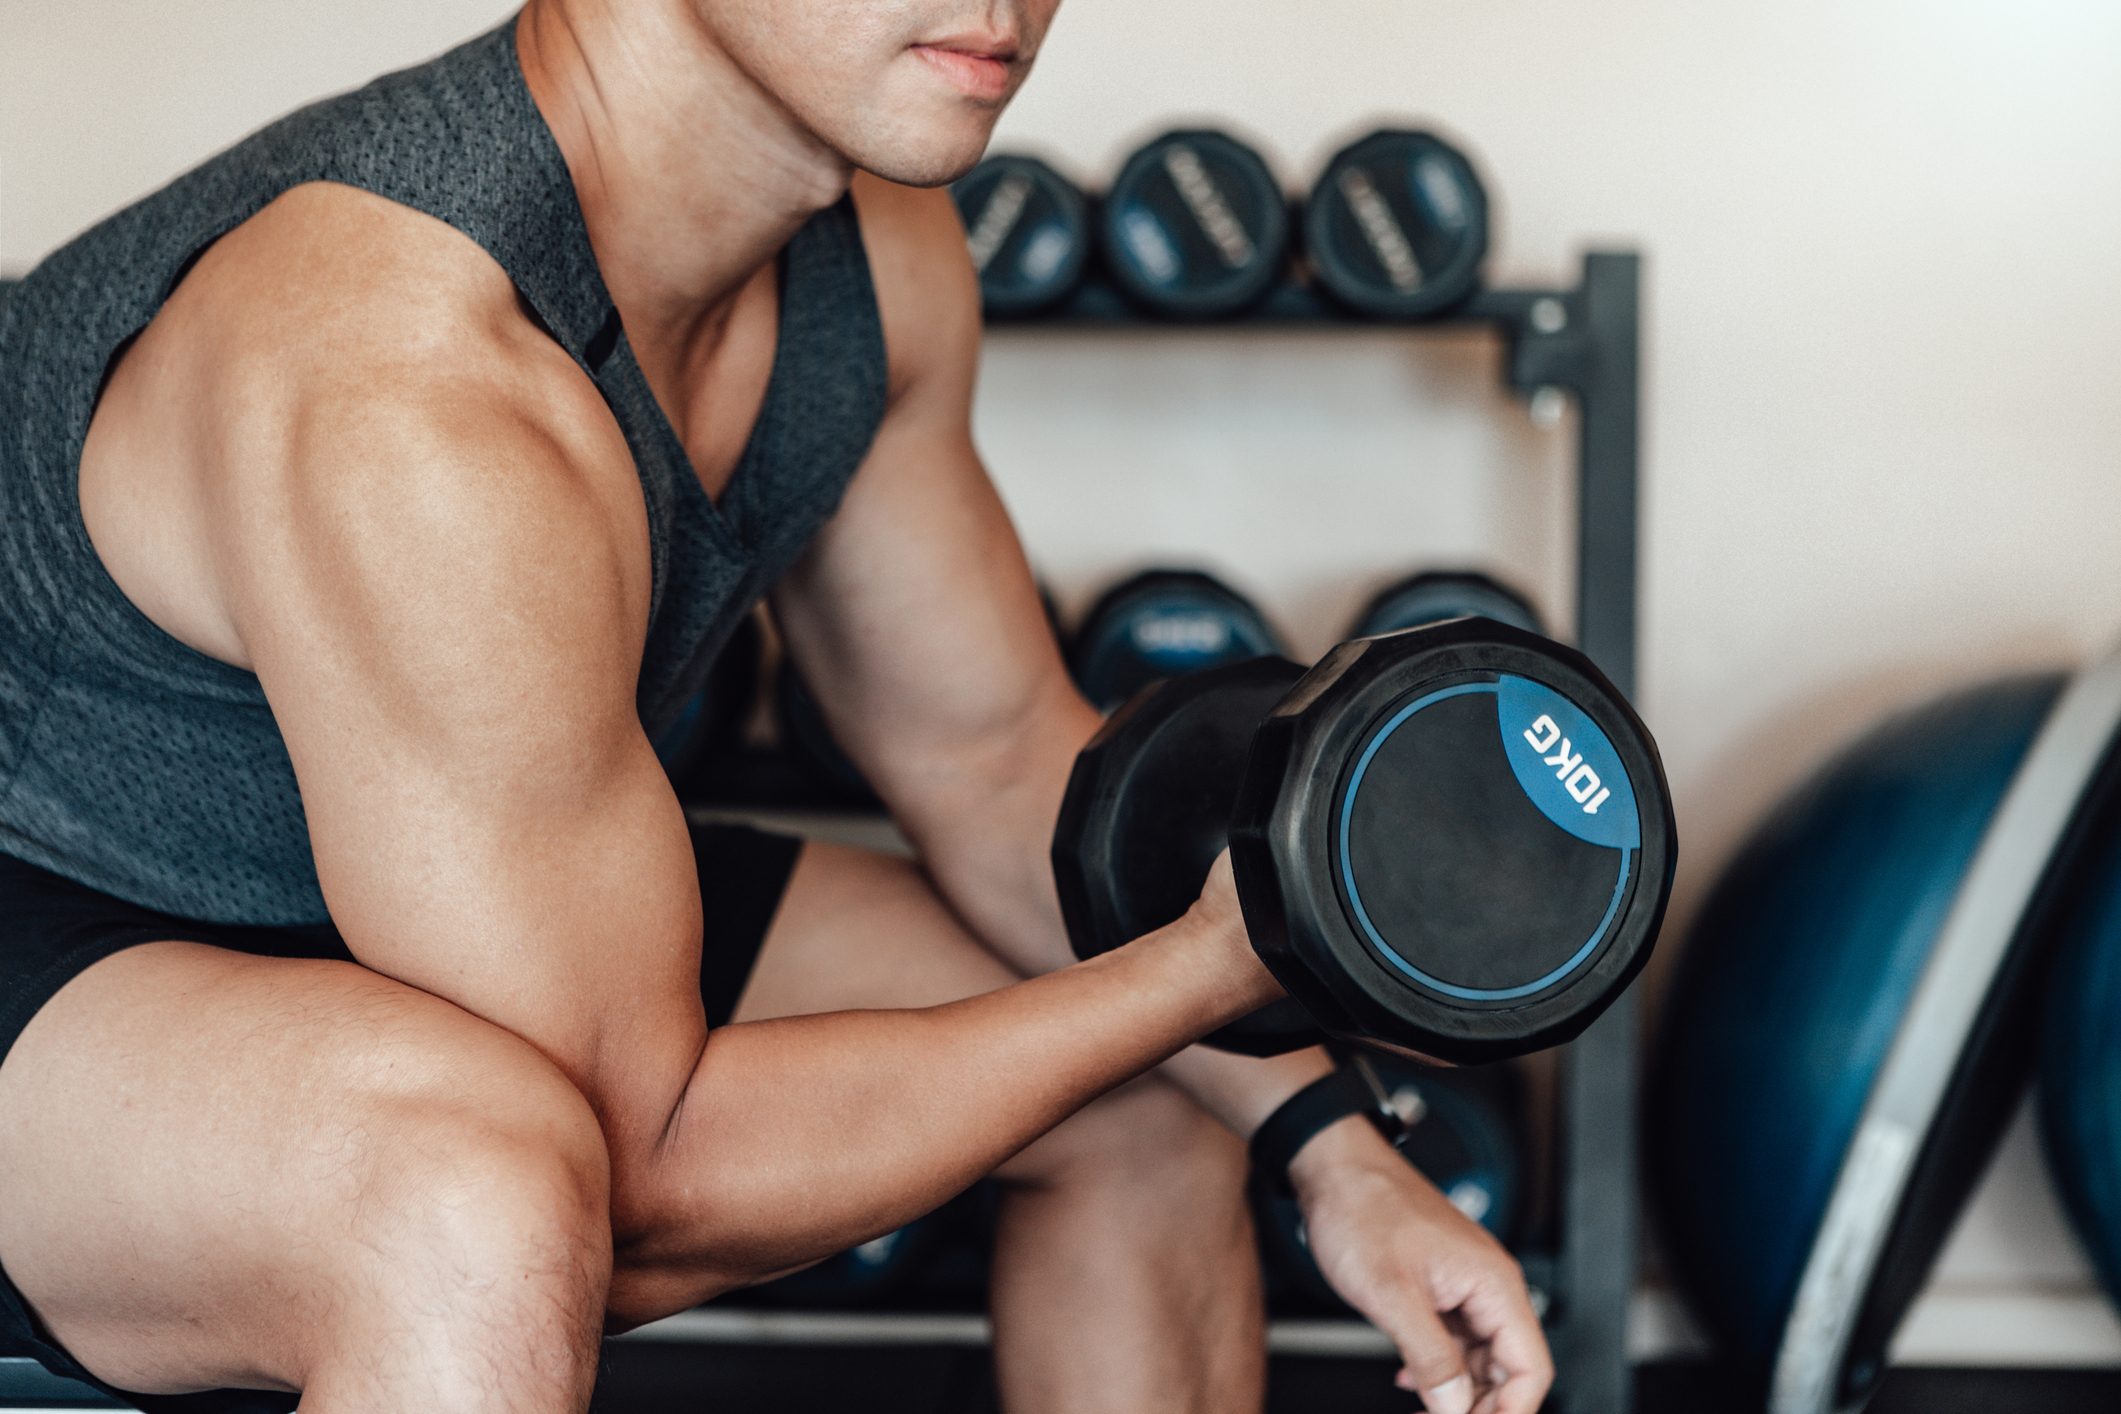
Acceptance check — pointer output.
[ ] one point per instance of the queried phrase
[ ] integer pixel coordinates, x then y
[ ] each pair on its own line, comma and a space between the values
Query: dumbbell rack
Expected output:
1582, 342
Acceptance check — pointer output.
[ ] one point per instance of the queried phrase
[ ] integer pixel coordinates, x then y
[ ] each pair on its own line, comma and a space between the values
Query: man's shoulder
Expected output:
376, 366
328, 278
336, 307
926, 291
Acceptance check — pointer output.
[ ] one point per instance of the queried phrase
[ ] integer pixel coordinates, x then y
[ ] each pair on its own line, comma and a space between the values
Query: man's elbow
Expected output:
639, 1100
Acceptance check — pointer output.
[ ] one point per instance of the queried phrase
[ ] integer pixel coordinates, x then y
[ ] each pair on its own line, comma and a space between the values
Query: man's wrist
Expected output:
1347, 1145
1225, 953
1314, 1126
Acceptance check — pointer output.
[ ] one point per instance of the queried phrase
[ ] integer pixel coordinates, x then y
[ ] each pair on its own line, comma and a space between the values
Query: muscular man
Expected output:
371, 495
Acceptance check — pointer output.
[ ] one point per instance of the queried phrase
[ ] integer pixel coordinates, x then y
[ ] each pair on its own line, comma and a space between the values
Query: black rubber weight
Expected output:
1028, 231
1435, 595
1397, 226
1195, 226
1379, 943
1164, 623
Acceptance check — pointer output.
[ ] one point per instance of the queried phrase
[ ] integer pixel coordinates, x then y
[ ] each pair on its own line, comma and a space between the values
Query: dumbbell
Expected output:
1455, 842
1162, 623
1195, 226
1435, 595
1464, 1134
802, 721
1028, 231
712, 719
1397, 226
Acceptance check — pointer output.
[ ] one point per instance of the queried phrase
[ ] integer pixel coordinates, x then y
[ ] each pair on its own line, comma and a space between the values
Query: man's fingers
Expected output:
1522, 1394
1513, 1349
1435, 1363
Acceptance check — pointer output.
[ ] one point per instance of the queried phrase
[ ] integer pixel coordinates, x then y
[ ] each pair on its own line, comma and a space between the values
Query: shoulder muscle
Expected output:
424, 507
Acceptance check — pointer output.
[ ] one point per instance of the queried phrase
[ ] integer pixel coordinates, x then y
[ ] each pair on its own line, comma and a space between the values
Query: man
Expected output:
367, 491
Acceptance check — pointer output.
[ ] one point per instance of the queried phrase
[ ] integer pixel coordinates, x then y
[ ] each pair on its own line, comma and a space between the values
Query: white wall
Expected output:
1883, 447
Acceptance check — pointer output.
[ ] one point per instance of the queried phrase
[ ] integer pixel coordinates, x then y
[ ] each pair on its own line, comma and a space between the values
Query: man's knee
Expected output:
1146, 1138
489, 1212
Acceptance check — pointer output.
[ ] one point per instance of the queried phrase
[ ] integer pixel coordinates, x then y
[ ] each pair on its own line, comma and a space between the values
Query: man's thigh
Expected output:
858, 930
194, 1146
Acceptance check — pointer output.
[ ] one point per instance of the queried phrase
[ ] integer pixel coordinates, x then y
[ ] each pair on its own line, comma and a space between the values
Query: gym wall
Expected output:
1882, 448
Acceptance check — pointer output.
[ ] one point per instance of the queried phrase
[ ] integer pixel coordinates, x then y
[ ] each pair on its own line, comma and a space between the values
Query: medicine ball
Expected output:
2080, 1064
1853, 1020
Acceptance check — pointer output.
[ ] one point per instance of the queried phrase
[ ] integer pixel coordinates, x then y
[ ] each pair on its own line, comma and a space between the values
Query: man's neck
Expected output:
690, 176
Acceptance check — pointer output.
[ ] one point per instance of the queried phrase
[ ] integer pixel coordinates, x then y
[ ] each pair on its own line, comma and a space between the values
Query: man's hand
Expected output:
1217, 905
1448, 1294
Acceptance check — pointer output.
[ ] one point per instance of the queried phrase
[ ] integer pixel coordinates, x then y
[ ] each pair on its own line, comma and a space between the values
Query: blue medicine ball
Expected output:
2080, 1064
1793, 984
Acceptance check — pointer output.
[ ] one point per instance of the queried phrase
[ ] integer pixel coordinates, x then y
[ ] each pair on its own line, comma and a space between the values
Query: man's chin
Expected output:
921, 169
930, 153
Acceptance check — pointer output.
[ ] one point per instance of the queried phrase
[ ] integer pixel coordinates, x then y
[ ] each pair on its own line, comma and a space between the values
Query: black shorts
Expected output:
52, 929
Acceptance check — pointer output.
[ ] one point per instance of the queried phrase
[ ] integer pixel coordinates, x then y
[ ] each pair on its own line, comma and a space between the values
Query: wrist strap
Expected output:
1326, 1100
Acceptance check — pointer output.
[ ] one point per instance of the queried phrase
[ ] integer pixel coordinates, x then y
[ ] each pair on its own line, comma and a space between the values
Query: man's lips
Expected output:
976, 69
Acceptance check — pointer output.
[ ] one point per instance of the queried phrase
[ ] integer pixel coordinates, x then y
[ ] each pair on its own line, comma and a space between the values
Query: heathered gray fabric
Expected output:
139, 767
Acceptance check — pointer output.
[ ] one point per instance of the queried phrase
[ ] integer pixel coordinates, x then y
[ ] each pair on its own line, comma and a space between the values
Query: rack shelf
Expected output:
1098, 304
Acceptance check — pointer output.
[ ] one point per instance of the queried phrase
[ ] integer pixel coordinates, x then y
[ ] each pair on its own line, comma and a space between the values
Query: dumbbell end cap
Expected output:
1353, 936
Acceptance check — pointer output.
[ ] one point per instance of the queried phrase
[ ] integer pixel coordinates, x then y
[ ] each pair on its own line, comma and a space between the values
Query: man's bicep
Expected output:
447, 625
913, 616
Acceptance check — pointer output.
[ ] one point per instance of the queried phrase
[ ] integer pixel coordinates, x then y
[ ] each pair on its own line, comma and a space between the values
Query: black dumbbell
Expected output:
1464, 1133
806, 736
1397, 226
1435, 595
1454, 842
1028, 230
1162, 623
1195, 226
712, 720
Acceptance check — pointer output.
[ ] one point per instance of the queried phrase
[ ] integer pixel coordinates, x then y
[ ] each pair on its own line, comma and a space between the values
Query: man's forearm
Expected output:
801, 1136
993, 865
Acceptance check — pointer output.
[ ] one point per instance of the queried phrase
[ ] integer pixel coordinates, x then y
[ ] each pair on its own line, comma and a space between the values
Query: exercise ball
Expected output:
1793, 988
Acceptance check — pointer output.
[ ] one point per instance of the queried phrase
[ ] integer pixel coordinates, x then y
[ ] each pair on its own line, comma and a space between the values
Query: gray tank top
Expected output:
139, 767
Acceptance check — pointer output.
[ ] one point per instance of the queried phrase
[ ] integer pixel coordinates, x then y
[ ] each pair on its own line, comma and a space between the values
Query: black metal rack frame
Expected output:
1584, 342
